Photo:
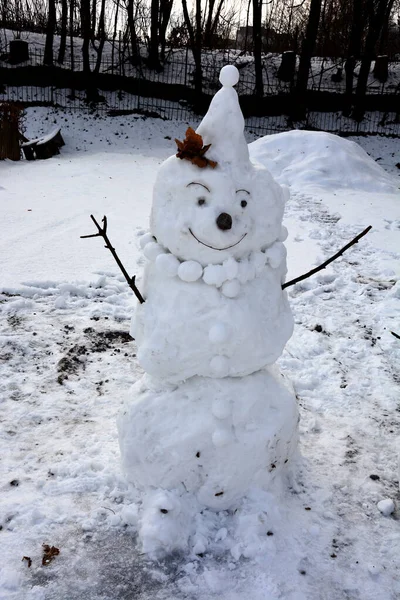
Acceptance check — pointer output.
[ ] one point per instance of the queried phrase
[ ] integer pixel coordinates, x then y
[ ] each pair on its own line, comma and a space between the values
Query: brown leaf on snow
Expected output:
192, 149
28, 559
49, 553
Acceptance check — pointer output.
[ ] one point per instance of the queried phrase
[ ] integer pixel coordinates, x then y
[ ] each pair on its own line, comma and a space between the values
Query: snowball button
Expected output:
221, 408
152, 250
229, 75
219, 365
218, 333
386, 506
221, 437
230, 289
190, 270
167, 264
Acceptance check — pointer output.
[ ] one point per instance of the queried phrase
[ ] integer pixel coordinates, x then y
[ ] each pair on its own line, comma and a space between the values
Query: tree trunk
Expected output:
208, 26
376, 22
94, 17
51, 25
91, 91
114, 33
154, 60
86, 34
216, 18
257, 47
199, 72
64, 24
195, 43
165, 15
385, 29
101, 34
132, 31
353, 52
307, 50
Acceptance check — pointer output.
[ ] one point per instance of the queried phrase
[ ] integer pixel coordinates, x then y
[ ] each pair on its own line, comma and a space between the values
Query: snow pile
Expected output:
306, 159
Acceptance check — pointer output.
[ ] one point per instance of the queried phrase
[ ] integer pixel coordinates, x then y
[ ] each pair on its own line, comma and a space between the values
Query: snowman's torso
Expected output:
192, 328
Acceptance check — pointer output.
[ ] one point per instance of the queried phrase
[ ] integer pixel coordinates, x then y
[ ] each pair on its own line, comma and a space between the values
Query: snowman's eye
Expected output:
243, 203
201, 201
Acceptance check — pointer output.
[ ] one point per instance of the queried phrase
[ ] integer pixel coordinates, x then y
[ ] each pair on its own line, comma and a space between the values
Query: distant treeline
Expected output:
355, 30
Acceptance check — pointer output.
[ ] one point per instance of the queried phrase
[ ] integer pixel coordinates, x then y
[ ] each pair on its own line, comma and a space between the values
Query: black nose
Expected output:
224, 221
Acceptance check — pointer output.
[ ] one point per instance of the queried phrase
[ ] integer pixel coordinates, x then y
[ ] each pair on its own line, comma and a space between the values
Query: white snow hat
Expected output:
223, 125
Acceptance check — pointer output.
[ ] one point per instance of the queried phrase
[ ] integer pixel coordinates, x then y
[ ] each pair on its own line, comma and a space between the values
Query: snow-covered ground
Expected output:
66, 361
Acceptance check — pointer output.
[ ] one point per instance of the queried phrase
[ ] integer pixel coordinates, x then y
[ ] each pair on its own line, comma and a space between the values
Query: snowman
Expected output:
212, 418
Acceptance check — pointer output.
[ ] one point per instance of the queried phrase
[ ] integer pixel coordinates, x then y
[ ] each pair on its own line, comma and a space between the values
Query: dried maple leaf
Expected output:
192, 149
49, 553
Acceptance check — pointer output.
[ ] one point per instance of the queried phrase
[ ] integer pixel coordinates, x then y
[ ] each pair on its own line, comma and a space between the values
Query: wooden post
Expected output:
10, 117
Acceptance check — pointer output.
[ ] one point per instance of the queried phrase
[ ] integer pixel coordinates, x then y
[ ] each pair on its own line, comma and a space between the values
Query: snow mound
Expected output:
317, 159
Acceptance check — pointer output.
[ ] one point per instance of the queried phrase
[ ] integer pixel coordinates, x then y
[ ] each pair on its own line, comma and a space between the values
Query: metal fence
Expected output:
125, 86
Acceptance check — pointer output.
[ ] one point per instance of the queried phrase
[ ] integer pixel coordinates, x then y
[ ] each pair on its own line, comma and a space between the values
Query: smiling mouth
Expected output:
213, 247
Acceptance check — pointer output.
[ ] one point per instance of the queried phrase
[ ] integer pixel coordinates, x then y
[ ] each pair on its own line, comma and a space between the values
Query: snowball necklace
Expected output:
228, 276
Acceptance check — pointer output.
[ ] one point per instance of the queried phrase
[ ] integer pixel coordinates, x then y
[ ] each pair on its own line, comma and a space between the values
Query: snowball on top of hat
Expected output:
229, 75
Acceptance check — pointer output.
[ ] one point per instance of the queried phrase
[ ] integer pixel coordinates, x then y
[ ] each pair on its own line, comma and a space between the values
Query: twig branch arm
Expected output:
102, 232
327, 262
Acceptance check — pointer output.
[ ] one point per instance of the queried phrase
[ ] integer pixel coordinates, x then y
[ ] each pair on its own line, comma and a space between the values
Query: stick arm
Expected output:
102, 232
327, 262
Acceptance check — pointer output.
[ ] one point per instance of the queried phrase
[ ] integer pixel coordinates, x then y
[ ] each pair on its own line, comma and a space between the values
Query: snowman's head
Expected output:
210, 214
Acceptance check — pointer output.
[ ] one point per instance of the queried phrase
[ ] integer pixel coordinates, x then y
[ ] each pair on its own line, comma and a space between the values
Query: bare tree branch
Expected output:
327, 262
102, 232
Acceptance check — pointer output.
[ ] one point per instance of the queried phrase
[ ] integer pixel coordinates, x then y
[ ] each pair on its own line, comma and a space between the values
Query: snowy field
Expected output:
67, 360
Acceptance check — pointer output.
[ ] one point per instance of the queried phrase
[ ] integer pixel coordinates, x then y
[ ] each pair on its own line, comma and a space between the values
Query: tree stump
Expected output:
19, 52
287, 67
381, 69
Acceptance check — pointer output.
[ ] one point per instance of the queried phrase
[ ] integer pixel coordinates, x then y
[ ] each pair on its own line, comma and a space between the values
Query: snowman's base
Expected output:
212, 438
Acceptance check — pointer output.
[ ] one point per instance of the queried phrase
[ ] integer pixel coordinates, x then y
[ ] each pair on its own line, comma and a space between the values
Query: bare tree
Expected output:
101, 35
211, 21
307, 50
64, 25
195, 44
131, 24
257, 46
353, 50
153, 58
378, 11
86, 35
164, 20
51, 25
92, 94
71, 33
